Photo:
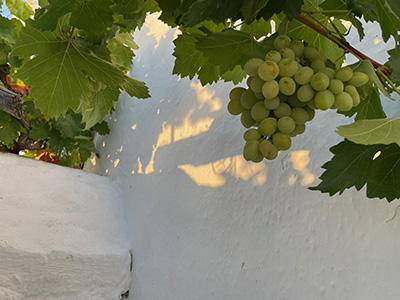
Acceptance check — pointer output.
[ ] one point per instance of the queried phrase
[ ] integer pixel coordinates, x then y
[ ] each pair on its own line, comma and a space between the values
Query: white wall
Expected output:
205, 224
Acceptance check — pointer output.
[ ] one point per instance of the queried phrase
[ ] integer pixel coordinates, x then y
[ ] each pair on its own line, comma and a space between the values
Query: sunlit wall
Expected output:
207, 225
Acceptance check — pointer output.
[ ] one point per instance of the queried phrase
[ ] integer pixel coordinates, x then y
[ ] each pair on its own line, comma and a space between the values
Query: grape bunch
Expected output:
284, 90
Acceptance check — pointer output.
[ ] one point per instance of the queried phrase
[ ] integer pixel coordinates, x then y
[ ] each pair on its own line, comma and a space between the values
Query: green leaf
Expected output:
55, 73
40, 129
20, 9
70, 125
258, 27
251, 8
101, 128
5, 50
374, 131
377, 166
85, 147
394, 63
6, 29
236, 75
297, 30
10, 129
126, 38
369, 108
208, 74
128, 8
48, 18
230, 48
98, 107
394, 7
387, 20
291, 8
120, 55
135, 88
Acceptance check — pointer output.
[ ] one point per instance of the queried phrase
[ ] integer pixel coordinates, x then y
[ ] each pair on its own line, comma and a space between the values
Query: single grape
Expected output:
299, 129
272, 103
317, 65
286, 124
299, 115
328, 72
256, 84
287, 86
281, 140
321, 56
336, 86
293, 101
319, 81
258, 158
268, 126
358, 79
251, 134
350, 89
305, 93
251, 66
246, 119
274, 56
311, 103
344, 74
270, 89
287, 67
311, 53
248, 99
283, 110
324, 99
273, 153
234, 107
265, 147
287, 53
281, 41
303, 75
259, 96
259, 112
250, 150
268, 70
248, 81
236, 92
310, 111
343, 101
297, 47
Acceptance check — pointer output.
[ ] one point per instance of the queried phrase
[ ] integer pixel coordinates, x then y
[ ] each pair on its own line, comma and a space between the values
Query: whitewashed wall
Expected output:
205, 224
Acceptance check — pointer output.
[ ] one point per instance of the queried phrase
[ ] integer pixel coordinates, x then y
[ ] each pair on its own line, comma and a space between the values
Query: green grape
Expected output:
299, 129
248, 99
287, 67
293, 101
273, 153
319, 82
299, 115
283, 110
350, 89
251, 66
246, 119
317, 65
358, 79
234, 107
259, 112
287, 86
270, 89
328, 72
305, 93
265, 147
282, 97
310, 111
343, 101
256, 84
250, 150
272, 103
281, 41
321, 56
281, 140
274, 56
336, 86
311, 103
286, 124
287, 53
268, 126
324, 99
297, 47
303, 75
248, 81
311, 53
258, 158
251, 134
236, 92
259, 96
344, 74
268, 70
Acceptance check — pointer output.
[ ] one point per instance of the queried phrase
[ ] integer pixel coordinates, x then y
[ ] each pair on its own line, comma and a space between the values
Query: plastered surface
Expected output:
62, 233
205, 224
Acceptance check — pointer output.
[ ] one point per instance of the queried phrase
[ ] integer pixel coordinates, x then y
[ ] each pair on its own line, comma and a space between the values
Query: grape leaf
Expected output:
258, 27
236, 75
297, 30
374, 131
394, 6
99, 106
290, 7
120, 55
208, 74
6, 29
135, 88
251, 8
394, 63
20, 9
128, 8
230, 48
387, 20
69, 125
126, 38
85, 147
369, 108
10, 129
55, 73
40, 129
101, 128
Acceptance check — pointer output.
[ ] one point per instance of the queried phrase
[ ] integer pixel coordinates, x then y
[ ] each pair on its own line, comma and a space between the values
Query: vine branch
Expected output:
342, 43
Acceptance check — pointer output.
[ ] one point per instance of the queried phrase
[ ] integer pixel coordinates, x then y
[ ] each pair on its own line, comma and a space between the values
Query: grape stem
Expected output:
342, 43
